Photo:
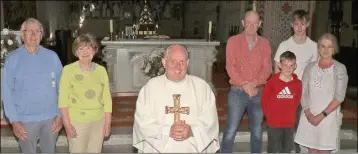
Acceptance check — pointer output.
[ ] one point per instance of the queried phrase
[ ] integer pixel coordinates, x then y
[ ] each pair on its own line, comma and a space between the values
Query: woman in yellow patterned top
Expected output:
84, 99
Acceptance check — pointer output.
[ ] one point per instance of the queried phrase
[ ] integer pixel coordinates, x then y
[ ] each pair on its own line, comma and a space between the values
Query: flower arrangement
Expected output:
153, 66
8, 44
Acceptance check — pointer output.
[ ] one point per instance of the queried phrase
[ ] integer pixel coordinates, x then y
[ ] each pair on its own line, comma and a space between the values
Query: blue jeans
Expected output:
238, 102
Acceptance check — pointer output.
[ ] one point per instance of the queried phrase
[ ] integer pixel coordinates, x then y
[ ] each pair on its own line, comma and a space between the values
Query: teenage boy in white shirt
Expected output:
302, 46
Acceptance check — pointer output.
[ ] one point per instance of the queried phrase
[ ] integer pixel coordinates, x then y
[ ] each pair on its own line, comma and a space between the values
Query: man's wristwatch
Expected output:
324, 113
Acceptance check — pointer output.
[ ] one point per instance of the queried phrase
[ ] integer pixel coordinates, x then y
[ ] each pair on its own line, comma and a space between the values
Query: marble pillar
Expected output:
2, 16
53, 15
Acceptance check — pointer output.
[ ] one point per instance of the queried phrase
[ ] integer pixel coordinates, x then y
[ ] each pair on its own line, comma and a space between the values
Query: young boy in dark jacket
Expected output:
280, 99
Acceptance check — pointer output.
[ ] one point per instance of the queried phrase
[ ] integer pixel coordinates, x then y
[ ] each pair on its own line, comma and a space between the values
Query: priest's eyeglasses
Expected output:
36, 32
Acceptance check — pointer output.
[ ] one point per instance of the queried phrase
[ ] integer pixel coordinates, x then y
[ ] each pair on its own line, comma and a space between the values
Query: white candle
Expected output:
254, 5
111, 26
210, 24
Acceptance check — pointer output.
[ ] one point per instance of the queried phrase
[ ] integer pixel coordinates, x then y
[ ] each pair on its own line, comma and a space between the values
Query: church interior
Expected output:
133, 33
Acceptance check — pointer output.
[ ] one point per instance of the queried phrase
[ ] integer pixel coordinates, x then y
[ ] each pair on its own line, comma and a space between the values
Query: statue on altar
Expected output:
108, 10
336, 17
116, 10
104, 9
87, 12
121, 11
96, 12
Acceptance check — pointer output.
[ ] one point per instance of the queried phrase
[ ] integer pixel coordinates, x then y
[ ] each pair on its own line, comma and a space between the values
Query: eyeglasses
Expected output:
36, 32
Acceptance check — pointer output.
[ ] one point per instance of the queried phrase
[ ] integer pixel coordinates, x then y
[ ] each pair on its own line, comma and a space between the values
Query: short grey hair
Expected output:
332, 38
28, 21
85, 39
167, 50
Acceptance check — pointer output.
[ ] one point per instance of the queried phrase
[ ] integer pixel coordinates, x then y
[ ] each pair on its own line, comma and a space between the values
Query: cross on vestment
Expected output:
177, 110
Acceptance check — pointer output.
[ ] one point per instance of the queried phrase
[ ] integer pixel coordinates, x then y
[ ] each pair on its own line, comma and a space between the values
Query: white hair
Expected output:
171, 46
30, 21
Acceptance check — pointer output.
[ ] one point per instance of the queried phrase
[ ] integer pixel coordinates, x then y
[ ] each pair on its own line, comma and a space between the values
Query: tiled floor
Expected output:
239, 147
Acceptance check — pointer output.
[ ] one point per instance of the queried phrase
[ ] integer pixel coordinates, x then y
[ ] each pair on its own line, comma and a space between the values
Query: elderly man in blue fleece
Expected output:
29, 89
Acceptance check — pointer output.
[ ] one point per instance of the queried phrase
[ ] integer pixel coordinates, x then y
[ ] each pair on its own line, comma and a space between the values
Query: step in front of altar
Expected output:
346, 147
122, 137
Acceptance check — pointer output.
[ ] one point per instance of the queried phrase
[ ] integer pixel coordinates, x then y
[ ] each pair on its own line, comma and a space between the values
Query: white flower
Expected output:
5, 31
161, 71
9, 42
2, 42
3, 52
147, 69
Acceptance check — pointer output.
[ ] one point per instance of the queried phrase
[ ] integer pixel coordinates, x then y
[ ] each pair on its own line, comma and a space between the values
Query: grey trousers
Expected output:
298, 116
280, 140
38, 131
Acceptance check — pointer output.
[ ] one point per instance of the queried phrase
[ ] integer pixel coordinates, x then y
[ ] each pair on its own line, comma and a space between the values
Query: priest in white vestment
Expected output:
155, 130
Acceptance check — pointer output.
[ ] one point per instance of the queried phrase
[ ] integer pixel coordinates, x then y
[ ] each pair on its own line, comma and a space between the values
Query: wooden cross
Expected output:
177, 110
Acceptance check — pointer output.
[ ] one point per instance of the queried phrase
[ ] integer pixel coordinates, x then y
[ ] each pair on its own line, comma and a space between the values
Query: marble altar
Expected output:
125, 58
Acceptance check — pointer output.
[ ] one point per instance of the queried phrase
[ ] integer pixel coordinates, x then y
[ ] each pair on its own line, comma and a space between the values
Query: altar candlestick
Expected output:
254, 5
111, 26
210, 24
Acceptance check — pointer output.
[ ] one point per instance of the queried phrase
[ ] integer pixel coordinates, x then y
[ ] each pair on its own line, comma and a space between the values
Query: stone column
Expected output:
243, 6
1, 104
53, 15
312, 9
320, 22
210, 59
2, 15
110, 57
2, 26
209, 66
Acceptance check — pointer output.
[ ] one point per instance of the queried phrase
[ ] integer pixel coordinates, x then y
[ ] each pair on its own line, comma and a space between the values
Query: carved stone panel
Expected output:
139, 79
137, 62
125, 61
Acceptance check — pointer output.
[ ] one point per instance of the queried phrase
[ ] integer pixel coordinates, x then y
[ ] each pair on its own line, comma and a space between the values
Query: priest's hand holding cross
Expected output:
180, 131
